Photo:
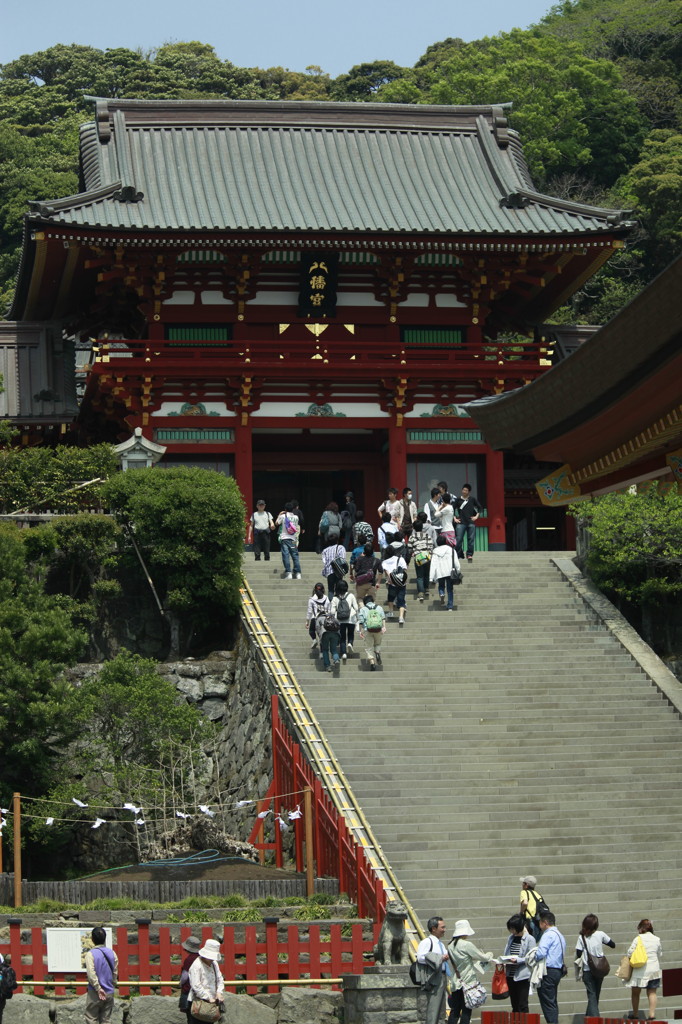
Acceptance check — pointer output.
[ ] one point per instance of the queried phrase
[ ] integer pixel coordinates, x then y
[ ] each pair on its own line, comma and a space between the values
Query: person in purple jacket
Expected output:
101, 965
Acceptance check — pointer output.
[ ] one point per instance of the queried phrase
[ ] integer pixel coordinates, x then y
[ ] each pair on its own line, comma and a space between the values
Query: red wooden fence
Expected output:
335, 850
153, 965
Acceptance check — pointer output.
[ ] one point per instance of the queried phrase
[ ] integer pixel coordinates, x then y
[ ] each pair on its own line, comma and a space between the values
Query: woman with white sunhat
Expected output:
207, 984
468, 963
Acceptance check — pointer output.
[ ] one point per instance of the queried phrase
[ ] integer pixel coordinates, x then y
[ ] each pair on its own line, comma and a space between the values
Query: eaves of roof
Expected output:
621, 359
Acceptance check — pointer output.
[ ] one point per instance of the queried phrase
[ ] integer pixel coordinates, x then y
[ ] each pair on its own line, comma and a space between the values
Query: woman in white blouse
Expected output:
205, 978
648, 976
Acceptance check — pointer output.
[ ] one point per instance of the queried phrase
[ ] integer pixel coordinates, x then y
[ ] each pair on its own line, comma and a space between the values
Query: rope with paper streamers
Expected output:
140, 821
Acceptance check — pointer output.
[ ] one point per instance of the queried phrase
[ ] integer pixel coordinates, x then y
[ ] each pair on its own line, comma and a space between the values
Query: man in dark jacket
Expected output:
467, 511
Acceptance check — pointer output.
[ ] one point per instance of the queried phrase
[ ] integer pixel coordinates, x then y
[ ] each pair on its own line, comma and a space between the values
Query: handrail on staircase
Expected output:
321, 758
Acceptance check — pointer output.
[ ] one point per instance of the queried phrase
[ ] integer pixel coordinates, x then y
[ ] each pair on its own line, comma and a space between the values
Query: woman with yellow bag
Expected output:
644, 953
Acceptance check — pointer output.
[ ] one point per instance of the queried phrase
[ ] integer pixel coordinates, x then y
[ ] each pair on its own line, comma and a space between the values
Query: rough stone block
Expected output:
153, 1010
213, 709
21, 1009
73, 1012
246, 1010
309, 1006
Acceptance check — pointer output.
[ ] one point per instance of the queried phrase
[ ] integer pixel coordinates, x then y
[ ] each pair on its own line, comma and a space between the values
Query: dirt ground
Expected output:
233, 868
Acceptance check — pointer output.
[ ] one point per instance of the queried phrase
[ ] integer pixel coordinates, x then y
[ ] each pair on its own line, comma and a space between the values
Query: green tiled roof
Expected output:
182, 165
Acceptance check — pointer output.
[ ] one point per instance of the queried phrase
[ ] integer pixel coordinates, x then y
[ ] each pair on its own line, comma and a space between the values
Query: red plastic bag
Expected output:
500, 988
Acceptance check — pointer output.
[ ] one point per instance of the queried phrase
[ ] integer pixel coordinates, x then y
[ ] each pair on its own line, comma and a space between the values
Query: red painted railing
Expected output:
151, 966
335, 851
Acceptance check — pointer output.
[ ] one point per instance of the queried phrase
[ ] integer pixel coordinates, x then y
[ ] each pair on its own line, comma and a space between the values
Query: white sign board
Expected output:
66, 948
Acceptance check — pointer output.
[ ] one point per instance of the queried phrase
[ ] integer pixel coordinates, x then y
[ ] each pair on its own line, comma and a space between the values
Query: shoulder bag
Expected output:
639, 957
456, 577
598, 966
474, 993
205, 1011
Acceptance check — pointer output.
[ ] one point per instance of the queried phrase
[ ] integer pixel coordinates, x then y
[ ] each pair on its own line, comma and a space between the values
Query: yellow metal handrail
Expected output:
321, 756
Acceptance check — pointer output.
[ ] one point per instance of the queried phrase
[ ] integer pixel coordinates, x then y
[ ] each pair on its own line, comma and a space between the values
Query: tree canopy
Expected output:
590, 84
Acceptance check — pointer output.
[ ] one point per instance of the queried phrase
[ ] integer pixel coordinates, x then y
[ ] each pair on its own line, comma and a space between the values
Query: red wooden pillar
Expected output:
243, 460
397, 454
494, 480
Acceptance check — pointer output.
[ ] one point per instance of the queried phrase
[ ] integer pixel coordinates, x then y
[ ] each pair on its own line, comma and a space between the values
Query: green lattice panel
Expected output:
193, 434
190, 336
432, 337
443, 436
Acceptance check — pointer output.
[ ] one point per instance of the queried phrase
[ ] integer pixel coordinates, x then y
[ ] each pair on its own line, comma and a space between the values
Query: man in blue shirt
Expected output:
552, 949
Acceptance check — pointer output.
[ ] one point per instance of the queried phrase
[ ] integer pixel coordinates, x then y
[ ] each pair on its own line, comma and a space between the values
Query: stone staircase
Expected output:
512, 736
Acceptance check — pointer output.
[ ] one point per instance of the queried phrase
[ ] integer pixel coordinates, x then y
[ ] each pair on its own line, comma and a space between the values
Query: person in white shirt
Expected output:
391, 563
443, 560
592, 940
262, 524
432, 952
392, 506
205, 979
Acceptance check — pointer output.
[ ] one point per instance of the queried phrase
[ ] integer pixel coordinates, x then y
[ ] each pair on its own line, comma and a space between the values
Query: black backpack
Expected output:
540, 905
331, 623
8, 981
343, 610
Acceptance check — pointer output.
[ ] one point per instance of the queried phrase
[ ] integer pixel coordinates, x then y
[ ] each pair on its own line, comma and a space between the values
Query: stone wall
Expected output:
232, 689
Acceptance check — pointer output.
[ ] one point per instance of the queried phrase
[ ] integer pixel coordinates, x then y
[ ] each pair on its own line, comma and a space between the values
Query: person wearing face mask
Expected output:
408, 509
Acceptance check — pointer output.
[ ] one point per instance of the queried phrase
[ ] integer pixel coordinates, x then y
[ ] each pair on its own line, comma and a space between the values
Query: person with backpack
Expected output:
344, 607
318, 605
262, 524
288, 532
364, 572
394, 569
432, 512
372, 626
420, 544
387, 532
330, 641
444, 562
101, 966
330, 520
333, 562
531, 904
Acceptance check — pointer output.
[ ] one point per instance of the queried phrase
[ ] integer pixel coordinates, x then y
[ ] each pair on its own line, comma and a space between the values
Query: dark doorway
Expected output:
314, 490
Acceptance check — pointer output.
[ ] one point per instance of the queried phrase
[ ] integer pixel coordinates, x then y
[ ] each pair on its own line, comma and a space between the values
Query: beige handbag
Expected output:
205, 1011
624, 970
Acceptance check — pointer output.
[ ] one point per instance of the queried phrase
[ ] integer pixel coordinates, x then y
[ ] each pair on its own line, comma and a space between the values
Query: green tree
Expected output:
39, 638
636, 544
571, 111
363, 81
189, 526
654, 188
38, 479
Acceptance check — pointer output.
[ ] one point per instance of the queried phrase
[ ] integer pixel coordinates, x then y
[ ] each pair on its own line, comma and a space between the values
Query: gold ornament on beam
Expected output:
317, 329
283, 327
350, 328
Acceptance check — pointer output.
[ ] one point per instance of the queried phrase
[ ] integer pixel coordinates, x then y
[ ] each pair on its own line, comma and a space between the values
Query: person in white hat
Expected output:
468, 963
207, 984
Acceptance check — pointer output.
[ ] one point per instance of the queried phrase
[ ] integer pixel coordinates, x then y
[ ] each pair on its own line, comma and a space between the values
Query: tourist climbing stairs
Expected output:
514, 735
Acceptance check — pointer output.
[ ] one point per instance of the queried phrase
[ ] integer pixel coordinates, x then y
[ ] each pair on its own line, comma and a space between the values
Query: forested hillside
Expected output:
596, 89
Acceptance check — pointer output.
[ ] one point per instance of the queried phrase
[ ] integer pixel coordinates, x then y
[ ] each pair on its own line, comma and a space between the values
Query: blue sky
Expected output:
264, 33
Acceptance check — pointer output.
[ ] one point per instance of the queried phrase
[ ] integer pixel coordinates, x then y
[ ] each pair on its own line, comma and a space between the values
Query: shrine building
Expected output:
305, 295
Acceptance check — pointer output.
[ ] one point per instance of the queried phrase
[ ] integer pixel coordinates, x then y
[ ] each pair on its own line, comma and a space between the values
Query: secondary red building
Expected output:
304, 295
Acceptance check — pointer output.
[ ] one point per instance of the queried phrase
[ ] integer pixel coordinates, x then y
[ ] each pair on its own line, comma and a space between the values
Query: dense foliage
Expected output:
636, 544
188, 525
52, 479
596, 87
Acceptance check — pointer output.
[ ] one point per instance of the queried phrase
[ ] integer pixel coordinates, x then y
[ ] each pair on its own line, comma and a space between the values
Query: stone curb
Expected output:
616, 623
